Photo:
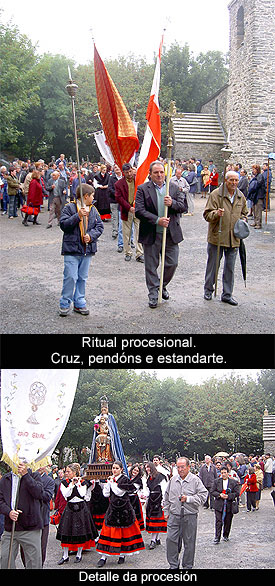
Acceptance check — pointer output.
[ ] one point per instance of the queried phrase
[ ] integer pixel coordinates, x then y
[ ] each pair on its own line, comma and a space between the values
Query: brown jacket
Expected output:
13, 185
232, 213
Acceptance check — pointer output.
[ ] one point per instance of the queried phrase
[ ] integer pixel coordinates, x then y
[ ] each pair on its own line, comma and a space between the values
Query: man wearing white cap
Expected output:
234, 209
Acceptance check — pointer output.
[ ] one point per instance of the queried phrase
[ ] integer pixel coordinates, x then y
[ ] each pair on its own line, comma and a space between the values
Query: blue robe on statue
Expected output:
116, 445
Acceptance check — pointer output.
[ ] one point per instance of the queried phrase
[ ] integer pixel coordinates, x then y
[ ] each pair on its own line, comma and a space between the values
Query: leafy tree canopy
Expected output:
36, 111
172, 416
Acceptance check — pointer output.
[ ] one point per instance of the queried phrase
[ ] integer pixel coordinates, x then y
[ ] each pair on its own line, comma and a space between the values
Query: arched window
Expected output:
240, 27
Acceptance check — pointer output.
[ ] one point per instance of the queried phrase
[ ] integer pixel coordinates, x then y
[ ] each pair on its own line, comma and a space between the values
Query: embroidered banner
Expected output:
35, 408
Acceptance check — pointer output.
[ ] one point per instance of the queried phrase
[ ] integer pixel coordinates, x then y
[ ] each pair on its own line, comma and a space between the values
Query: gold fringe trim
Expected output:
13, 463
9, 461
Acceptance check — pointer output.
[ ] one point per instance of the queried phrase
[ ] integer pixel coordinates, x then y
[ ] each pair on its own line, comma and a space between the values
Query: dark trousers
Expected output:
152, 255
209, 498
226, 524
230, 255
251, 500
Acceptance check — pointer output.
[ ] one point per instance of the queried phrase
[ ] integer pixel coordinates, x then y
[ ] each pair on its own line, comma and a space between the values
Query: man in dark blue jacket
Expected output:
78, 247
26, 514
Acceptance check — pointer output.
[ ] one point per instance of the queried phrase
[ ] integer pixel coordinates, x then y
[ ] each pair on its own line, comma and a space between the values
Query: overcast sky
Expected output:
199, 375
120, 27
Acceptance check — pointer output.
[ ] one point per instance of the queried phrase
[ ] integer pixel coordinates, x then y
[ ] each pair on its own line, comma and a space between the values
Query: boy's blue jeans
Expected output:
76, 269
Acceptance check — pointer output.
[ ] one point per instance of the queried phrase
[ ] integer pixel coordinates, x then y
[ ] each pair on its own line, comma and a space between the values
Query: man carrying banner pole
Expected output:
23, 526
158, 207
151, 200
35, 408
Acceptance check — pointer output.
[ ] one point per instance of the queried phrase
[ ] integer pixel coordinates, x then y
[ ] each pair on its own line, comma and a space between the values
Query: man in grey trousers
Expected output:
151, 200
184, 494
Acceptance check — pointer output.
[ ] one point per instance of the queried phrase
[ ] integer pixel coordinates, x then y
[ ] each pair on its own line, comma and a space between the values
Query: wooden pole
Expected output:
170, 144
13, 525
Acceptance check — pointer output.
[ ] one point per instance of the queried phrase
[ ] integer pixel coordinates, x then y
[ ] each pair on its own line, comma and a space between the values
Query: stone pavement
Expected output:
32, 270
251, 545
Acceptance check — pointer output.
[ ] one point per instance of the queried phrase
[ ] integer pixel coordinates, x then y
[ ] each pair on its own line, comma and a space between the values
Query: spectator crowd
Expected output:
55, 183
110, 515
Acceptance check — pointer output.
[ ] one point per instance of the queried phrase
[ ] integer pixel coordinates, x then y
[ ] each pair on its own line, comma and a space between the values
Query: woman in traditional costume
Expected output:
120, 534
155, 522
102, 202
76, 529
137, 495
98, 505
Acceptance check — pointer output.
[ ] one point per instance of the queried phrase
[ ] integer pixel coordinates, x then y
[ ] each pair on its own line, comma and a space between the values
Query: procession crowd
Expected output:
139, 215
192, 176
111, 515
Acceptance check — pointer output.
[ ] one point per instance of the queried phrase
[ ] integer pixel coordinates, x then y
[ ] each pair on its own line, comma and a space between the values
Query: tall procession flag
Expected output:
35, 408
119, 130
151, 145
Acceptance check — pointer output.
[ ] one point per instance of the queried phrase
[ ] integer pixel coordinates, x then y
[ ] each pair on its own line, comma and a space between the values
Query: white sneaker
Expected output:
63, 311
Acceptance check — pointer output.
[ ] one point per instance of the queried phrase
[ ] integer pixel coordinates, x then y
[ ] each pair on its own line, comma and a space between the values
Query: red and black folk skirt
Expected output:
120, 540
136, 504
98, 506
120, 534
76, 528
155, 521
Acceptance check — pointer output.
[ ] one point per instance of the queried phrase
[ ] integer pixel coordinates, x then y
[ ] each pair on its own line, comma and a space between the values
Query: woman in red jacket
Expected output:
252, 489
214, 179
35, 196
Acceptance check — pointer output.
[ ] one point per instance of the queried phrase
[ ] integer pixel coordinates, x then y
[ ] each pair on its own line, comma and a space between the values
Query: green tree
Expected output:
46, 128
19, 81
267, 381
171, 416
129, 402
189, 81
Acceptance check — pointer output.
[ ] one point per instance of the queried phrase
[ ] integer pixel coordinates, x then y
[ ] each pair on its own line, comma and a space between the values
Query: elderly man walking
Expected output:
208, 474
234, 208
184, 494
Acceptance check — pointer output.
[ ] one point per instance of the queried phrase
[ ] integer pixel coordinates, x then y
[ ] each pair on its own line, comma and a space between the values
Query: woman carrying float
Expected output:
120, 534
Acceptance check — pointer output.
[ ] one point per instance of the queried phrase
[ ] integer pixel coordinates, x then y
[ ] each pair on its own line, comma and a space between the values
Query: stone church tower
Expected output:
245, 107
250, 95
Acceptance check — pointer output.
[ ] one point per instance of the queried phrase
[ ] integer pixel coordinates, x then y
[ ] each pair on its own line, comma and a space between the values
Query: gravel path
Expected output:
251, 545
32, 269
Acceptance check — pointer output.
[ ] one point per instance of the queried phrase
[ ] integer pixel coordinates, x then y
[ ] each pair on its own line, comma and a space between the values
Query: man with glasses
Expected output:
184, 494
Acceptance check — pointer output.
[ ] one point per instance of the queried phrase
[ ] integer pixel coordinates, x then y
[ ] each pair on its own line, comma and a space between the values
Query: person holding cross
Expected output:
151, 200
81, 225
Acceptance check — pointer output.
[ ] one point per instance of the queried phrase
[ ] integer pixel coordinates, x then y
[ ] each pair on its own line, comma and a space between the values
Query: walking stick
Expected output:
72, 88
227, 152
13, 525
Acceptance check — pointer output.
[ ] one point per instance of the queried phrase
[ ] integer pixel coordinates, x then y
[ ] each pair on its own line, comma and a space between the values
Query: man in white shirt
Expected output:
225, 490
268, 471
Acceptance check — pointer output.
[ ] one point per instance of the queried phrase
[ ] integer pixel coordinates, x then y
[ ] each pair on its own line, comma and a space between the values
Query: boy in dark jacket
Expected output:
78, 247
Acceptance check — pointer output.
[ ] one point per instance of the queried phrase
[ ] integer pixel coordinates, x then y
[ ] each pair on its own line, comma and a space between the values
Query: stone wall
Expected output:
269, 433
203, 151
246, 106
218, 105
269, 447
250, 102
